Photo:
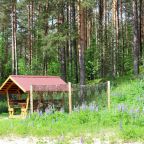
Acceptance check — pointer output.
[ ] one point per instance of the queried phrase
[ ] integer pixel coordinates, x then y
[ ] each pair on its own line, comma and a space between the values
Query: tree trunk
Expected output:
141, 11
75, 44
30, 25
101, 30
114, 55
81, 44
135, 38
14, 51
62, 53
123, 39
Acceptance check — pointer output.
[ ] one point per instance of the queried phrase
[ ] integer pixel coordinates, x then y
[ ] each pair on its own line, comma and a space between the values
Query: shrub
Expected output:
3, 107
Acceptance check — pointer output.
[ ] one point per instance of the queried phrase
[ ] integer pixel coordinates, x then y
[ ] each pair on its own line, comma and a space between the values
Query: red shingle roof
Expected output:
24, 82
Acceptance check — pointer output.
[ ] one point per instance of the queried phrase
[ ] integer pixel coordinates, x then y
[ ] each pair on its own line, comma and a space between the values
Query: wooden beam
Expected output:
108, 94
31, 99
7, 94
19, 94
9, 86
18, 85
5, 82
70, 97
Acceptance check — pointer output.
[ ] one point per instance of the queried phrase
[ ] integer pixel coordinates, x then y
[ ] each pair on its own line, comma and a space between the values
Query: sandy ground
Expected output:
46, 140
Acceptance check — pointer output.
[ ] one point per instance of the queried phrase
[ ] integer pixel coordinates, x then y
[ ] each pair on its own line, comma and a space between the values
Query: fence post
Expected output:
70, 97
108, 94
31, 99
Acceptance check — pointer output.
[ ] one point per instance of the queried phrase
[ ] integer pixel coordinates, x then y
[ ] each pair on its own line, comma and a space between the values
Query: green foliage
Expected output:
88, 3
22, 67
129, 91
54, 68
1, 46
3, 107
91, 67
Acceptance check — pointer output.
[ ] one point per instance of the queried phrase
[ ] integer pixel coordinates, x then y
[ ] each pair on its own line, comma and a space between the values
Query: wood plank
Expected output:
70, 97
108, 94
31, 99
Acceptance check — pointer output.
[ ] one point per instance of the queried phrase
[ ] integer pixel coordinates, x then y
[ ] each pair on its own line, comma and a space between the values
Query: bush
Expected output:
3, 107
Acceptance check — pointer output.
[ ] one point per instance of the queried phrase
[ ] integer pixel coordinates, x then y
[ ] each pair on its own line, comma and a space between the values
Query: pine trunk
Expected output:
30, 24
135, 38
14, 51
74, 42
62, 53
81, 44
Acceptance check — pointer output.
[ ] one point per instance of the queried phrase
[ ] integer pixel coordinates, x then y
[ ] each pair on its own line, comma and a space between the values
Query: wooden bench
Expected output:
24, 108
18, 104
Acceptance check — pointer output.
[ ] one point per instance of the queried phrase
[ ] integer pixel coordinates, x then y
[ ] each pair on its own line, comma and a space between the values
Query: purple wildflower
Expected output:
83, 106
40, 113
137, 110
92, 107
62, 110
81, 140
122, 107
132, 111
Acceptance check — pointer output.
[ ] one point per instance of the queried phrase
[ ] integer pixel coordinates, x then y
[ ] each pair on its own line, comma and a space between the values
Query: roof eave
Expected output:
17, 84
10, 78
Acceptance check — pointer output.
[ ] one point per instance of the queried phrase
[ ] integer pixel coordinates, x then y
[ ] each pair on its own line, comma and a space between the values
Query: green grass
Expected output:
124, 121
77, 124
3, 115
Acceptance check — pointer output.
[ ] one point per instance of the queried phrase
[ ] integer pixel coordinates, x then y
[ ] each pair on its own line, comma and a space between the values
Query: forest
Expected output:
79, 40
95, 45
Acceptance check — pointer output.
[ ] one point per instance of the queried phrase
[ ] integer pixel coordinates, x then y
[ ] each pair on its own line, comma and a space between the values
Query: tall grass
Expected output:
84, 122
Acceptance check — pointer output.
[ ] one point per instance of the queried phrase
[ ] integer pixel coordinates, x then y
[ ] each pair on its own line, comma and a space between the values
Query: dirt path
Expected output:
46, 140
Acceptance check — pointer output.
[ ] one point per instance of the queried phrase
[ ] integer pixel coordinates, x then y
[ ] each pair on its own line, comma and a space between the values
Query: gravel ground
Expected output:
46, 140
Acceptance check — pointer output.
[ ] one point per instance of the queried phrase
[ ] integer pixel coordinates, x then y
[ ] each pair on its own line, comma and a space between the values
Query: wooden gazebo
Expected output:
21, 84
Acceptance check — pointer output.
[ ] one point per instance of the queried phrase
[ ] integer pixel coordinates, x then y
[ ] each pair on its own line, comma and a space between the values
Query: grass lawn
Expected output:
3, 115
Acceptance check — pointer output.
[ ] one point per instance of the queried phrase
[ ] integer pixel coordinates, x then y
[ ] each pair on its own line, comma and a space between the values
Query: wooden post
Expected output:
108, 94
31, 99
7, 94
70, 97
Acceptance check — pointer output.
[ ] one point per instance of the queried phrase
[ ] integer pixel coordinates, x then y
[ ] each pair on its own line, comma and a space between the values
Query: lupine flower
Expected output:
122, 108
132, 111
62, 110
81, 140
40, 113
137, 110
47, 110
92, 107
83, 106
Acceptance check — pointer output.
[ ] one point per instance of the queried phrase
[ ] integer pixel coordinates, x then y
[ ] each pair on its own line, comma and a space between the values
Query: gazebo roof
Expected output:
22, 83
